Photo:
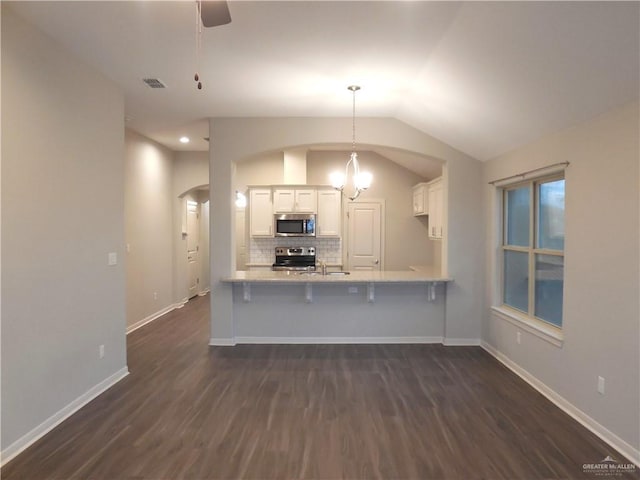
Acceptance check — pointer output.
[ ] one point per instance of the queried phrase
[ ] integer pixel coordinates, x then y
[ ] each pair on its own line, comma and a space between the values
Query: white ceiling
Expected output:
484, 77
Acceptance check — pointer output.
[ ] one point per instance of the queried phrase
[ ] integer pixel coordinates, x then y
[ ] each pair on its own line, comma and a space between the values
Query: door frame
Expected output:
197, 210
345, 228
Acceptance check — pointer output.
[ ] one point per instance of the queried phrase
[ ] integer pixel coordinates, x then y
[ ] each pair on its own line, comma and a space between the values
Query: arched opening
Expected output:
405, 240
191, 255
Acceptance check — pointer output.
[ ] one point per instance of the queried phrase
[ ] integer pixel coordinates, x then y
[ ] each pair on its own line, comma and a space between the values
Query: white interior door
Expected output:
193, 247
364, 236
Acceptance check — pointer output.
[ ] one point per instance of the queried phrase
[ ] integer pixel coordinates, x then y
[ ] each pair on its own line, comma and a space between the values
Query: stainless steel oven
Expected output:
295, 258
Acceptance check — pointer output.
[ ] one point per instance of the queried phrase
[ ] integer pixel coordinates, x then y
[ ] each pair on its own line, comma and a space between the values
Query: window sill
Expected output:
546, 332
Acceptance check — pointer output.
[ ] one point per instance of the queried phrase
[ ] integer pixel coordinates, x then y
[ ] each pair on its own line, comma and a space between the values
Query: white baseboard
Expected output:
574, 412
152, 317
461, 342
222, 342
331, 340
204, 292
50, 423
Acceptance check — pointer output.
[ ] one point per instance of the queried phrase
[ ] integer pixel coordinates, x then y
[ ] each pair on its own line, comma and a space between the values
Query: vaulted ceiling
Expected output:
484, 77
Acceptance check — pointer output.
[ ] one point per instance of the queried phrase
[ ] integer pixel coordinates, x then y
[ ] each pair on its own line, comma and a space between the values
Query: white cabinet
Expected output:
436, 208
294, 200
420, 199
261, 212
329, 219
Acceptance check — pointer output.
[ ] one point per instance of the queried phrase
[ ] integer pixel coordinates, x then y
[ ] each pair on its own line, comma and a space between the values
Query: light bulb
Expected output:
337, 180
362, 180
241, 200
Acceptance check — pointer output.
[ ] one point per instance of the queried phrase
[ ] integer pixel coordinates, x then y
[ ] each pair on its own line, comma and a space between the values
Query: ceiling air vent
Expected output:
154, 82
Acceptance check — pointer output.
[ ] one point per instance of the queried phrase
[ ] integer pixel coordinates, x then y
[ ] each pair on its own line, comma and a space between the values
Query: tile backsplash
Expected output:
262, 250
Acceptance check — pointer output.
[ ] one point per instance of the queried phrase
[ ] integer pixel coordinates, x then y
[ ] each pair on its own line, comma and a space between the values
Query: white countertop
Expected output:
425, 275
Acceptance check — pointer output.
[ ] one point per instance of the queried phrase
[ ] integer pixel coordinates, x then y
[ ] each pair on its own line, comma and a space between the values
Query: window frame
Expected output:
528, 320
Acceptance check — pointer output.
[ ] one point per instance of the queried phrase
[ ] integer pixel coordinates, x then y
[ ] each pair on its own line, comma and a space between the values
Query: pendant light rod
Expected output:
354, 89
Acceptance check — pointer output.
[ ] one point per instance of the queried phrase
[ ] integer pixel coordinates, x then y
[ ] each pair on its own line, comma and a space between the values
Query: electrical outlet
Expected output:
101, 351
112, 259
155, 295
353, 289
601, 385
518, 338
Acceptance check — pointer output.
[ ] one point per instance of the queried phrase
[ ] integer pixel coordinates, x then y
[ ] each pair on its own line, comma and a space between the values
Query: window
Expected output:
533, 248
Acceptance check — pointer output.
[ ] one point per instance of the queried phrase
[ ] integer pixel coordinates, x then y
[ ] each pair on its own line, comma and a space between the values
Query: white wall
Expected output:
233, 139
601, 313
62, 213
191, 169
148, 227
265, 169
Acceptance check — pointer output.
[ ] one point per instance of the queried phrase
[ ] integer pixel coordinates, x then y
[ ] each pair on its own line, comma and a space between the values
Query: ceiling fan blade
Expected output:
214, 13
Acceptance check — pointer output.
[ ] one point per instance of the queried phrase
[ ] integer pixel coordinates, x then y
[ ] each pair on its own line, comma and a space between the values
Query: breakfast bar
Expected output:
338, 306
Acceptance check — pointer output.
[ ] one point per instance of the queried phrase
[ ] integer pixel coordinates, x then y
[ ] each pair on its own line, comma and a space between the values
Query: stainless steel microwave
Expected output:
294, 225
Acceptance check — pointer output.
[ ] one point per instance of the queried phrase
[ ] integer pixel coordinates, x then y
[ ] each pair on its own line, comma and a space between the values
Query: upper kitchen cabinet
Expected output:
291, 200
329, 220
435, 200
261, 212
420, 199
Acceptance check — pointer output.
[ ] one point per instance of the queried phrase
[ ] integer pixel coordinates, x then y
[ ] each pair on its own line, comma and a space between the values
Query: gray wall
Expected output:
62, 213
601, 327
148, 212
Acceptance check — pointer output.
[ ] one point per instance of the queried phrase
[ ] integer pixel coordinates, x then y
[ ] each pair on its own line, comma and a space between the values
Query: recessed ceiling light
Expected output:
184, 139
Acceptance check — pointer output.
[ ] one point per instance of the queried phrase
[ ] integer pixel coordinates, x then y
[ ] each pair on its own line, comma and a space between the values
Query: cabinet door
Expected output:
284, 201
305, 201
418, 200
261, 213
329, 221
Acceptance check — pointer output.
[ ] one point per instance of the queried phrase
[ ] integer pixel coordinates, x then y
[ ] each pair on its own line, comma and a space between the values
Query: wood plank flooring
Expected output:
190, 411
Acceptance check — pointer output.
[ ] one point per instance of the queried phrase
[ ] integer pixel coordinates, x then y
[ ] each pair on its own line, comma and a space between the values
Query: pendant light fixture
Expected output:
361, 180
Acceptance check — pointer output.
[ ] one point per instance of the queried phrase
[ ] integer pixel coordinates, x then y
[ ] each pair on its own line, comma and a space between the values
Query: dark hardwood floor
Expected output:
192, 411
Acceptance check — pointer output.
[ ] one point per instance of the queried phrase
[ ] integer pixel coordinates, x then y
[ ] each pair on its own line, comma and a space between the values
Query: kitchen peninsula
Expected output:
339, 307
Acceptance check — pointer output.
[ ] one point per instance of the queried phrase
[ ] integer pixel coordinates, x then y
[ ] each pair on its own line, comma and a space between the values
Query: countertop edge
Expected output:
393, 277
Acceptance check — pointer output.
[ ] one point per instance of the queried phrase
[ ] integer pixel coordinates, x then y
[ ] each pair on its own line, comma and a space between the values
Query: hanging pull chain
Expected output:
196, 77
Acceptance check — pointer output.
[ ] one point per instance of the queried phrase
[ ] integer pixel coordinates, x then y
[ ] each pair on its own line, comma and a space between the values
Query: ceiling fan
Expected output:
214, 12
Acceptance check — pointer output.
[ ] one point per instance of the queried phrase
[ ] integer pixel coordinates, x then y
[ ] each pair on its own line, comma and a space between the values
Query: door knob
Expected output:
376, 261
